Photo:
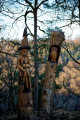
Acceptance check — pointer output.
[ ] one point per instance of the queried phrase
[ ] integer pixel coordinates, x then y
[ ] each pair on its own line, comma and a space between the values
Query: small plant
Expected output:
59, 68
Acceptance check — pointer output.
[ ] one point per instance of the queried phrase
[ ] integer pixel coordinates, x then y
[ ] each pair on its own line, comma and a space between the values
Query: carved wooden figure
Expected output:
24, 67
25, 104
57, 37
54, 53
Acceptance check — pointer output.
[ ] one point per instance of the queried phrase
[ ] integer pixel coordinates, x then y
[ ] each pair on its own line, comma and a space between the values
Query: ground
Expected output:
58, 114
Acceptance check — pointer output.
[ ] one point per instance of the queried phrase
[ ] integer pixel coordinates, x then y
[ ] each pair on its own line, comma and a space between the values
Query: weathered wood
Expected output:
25, 103
57, 37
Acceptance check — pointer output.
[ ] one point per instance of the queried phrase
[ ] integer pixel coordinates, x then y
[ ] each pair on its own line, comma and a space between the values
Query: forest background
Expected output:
67, 88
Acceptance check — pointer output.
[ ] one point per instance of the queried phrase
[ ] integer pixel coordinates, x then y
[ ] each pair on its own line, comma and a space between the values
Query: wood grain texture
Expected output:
25, 103
57, 37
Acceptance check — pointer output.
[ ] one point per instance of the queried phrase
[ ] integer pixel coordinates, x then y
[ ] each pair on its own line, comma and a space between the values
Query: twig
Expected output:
70, 90
29, 3
13, 55
41, 3
60, 2
70, 55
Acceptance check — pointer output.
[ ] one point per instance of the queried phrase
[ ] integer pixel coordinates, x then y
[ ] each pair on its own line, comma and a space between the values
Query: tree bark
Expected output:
57, 38
35, 58
79, 12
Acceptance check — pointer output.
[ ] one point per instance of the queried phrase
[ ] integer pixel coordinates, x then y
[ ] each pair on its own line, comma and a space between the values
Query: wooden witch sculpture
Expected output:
24, 64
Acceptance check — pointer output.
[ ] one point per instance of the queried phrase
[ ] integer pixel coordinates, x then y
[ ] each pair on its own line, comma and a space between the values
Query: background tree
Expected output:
8, 89
25, 8
72, 7
34, 10
70, 10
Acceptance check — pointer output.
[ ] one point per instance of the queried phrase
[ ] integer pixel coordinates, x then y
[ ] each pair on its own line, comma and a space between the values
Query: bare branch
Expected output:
18, 18
66, 25
21, 3
70, 90
60, 2
7, 15
30, 11
79, 12
71, 55
71, 66
13, 55
41, 21
41, 29
41, 3
29, 3
13, 12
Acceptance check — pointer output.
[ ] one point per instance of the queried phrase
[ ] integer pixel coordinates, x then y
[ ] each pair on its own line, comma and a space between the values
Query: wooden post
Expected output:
25, 104
57, 37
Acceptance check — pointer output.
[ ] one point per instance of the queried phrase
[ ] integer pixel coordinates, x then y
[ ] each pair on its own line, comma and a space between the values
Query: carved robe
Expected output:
24, 72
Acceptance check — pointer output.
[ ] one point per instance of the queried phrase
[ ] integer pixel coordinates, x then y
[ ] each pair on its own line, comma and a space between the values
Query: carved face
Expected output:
24, 52
54, 49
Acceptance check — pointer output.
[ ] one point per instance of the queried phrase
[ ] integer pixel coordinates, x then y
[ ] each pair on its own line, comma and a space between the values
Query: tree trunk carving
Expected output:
57, 37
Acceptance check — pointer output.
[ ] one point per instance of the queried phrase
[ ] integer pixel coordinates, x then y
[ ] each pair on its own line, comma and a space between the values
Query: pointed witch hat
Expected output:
24, 44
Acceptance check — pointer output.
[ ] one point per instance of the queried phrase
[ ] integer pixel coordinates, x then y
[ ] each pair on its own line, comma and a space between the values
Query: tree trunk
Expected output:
57, 38
79, 12
35, 59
